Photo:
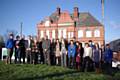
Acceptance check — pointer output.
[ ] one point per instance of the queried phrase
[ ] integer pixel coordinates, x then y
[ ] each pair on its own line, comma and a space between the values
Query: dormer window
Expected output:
47, 23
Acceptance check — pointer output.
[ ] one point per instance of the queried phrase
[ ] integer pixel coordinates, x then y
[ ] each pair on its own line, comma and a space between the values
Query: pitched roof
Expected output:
54, 17
85, 19
115, 45
65, 18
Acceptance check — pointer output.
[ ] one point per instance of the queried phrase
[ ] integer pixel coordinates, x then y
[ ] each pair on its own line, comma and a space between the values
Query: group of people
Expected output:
70, 54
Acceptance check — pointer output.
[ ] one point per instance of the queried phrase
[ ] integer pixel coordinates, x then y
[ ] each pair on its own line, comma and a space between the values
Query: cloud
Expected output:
115, 25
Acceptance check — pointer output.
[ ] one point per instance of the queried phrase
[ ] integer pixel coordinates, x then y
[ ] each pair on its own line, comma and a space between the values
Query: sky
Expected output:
31, 12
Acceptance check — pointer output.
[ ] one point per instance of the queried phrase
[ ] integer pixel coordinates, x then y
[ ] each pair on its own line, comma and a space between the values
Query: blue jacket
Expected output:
108, 55
71, 50
10, 43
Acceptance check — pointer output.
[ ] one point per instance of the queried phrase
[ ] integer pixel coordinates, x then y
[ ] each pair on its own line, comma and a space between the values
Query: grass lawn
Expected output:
44, 72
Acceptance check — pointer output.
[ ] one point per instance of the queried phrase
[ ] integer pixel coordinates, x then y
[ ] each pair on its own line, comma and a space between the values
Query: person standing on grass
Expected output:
28, 49
57, 52
17, 49
108, 55
46, 50
91, 67
64, 53
102, 57
22, 49
87, 56
41, 51
77, 45
96, 57
71, 54
10, 46
79, 56
35, 50
52, 51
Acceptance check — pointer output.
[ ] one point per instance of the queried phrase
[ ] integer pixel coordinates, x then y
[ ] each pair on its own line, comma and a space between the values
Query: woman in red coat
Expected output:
78, 57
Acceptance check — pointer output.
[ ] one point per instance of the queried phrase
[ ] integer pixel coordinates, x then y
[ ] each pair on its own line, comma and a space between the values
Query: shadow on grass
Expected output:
49, 75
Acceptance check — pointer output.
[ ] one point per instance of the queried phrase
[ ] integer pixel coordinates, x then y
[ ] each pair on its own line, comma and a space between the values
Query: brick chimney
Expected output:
58, 11
76, 12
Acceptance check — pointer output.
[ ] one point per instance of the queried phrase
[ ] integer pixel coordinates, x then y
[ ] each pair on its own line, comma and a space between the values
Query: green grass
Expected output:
45, 72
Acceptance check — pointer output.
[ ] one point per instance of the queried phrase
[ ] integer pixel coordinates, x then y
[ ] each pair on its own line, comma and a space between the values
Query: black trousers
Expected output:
87, 64
22, 54
29, 56
108, 68
52, 58
41, 57
34, 57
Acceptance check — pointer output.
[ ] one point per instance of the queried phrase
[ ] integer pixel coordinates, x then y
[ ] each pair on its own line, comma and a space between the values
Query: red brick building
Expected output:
62, 24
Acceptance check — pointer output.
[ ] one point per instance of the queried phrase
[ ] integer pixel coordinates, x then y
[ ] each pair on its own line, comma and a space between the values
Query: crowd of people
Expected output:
64, 53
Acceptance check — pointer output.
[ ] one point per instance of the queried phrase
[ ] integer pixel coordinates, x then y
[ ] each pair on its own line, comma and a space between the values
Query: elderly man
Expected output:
46, 50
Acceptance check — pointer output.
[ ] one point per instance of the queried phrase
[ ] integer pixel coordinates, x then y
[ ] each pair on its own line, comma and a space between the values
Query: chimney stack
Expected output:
58, 11
76, 12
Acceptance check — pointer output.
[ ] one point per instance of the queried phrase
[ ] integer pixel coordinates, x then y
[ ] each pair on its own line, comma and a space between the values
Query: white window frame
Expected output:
97, 33
80, 33
88, 33
53, 34
69, 36
59, 33
72, 34
64, 33
41, 34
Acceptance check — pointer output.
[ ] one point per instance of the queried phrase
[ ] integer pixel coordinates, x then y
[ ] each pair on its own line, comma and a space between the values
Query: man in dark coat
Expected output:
108, 55
41, 56
22, 45
52, 52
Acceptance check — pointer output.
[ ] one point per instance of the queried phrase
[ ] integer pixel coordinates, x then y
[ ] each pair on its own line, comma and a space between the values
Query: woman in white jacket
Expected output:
87, 56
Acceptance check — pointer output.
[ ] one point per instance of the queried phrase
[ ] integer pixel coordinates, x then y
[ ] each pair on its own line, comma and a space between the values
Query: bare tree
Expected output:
1, 41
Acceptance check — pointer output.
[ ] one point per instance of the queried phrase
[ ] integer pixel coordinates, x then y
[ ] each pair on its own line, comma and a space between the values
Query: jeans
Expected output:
17, 54
63, 59
9, 56
46, 57
71, 62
